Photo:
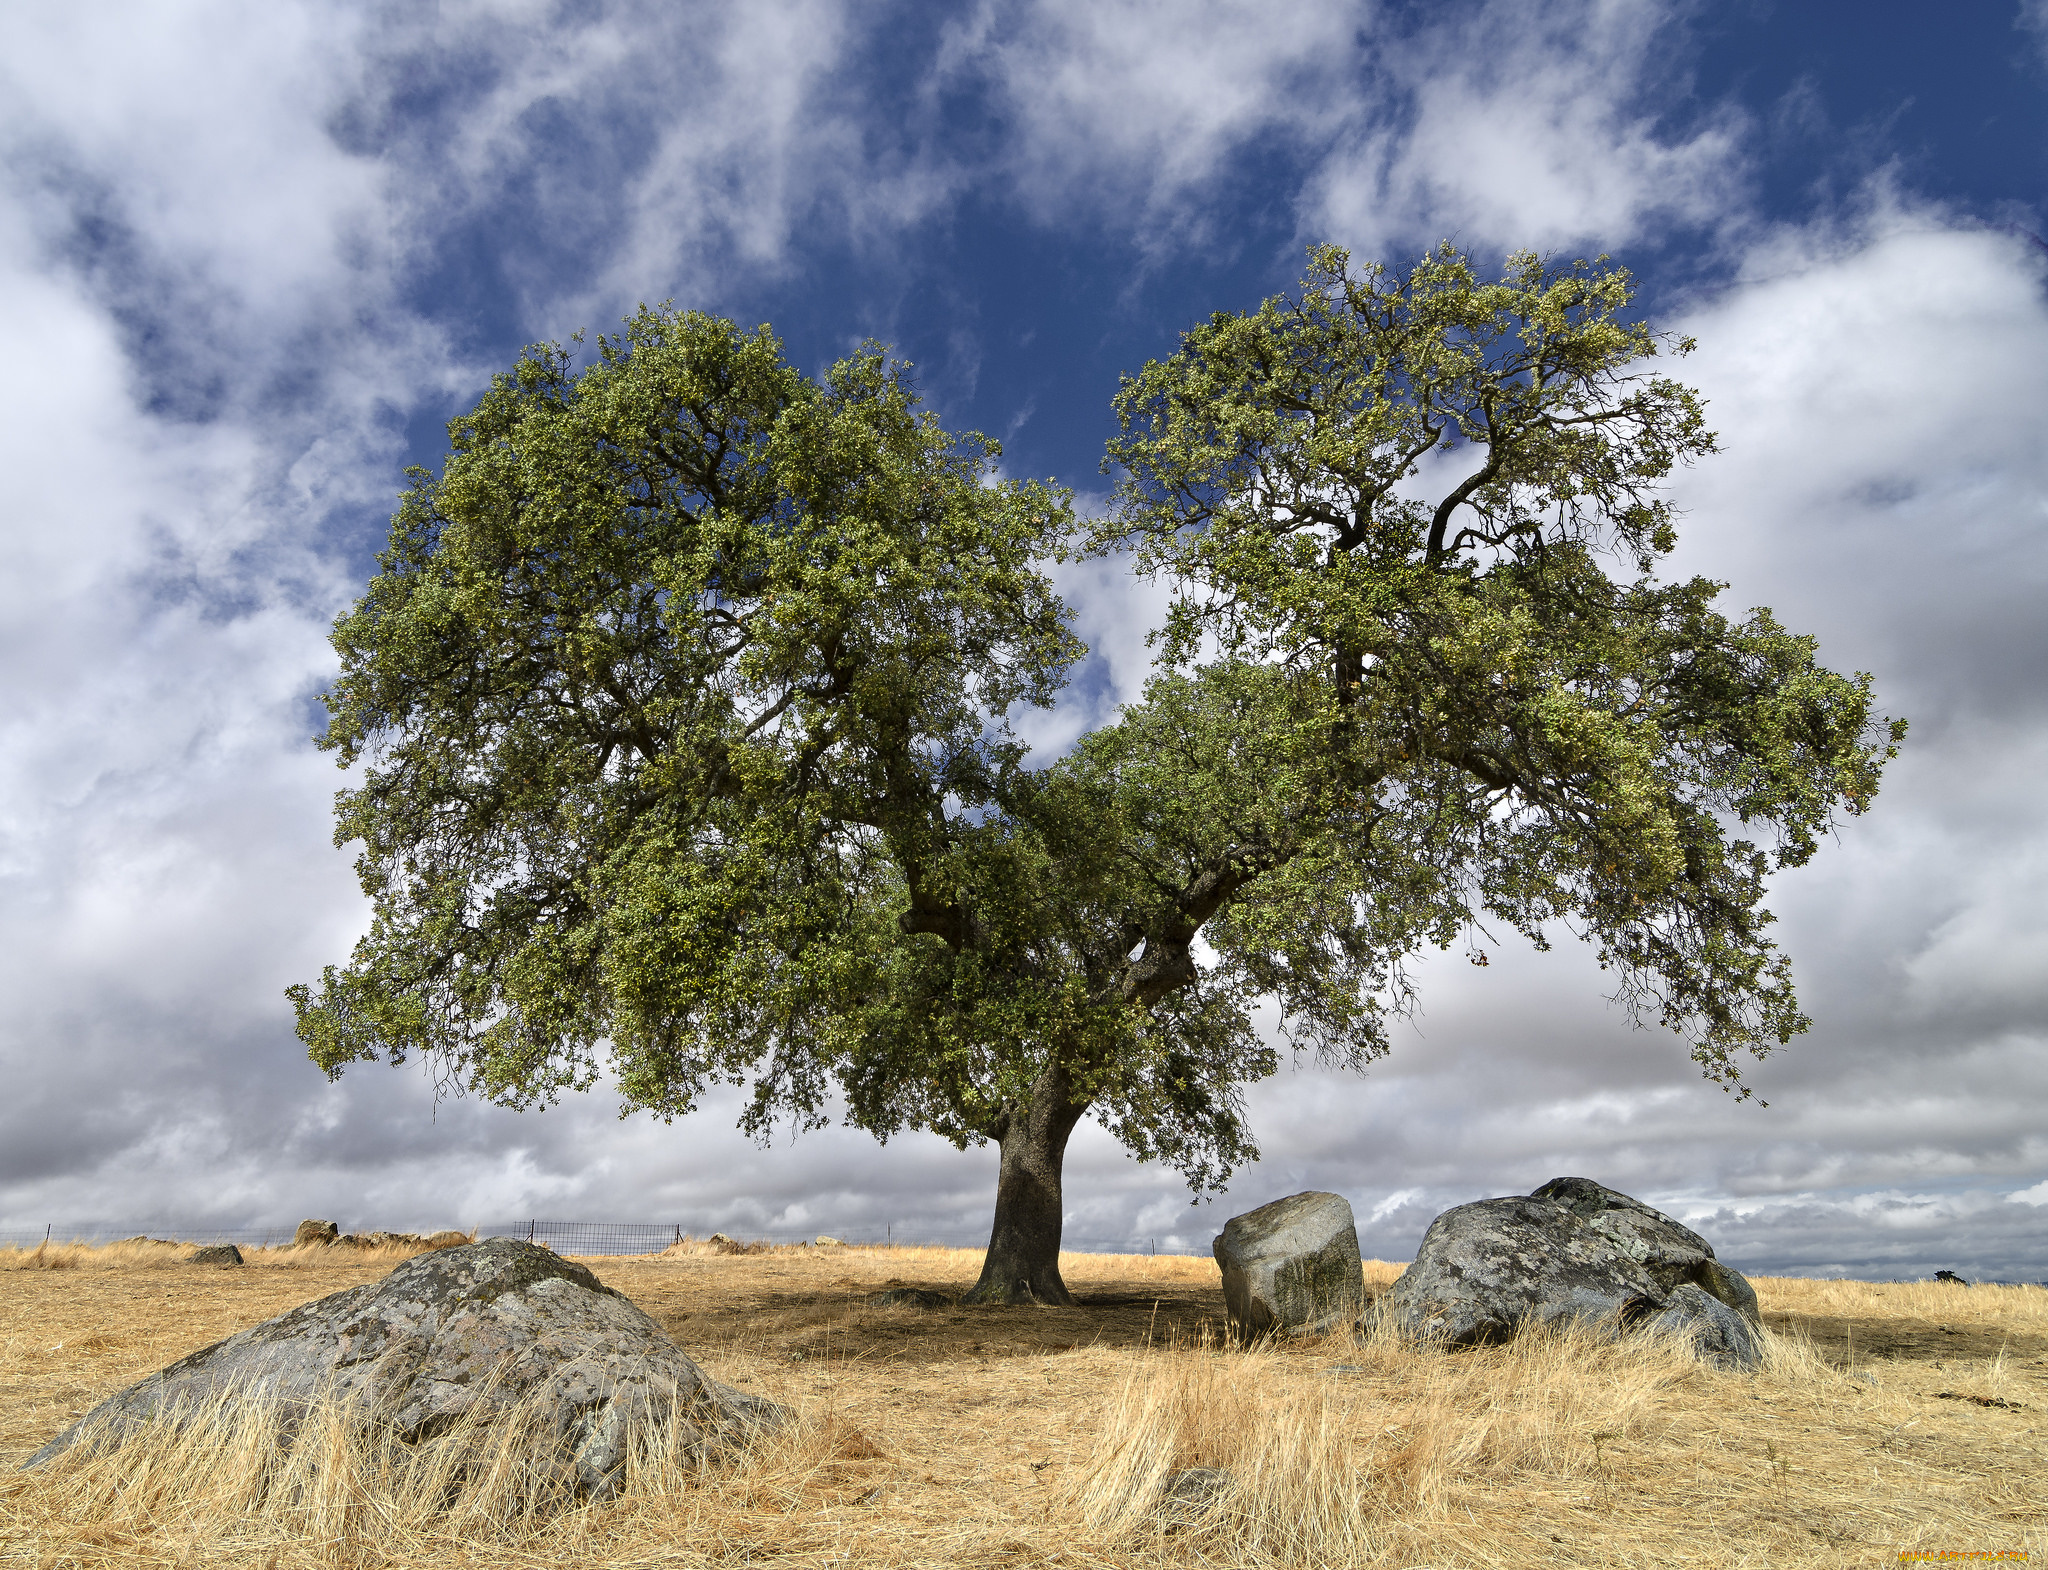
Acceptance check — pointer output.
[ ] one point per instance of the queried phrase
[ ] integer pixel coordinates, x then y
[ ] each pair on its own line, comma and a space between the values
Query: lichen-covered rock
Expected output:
313, 1233
1485, 1268
216, 1254
1573, 1250
1671, 1252
462, 1332
1292, 1266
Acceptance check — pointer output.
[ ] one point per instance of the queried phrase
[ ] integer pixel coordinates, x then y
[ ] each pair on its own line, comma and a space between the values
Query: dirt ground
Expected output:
1852, 1340
1897, 1418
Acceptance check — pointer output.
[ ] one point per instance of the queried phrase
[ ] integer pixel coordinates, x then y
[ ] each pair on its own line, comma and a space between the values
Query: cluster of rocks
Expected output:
721, 1243
462, 1333
1572, 1250
325, 1234
317, 1234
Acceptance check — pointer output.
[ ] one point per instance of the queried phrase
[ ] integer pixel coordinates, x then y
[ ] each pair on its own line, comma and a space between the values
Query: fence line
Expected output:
600, 1237
619, 1239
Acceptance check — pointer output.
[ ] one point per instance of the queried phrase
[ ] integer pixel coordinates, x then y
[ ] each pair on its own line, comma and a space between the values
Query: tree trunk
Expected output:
1023, 1260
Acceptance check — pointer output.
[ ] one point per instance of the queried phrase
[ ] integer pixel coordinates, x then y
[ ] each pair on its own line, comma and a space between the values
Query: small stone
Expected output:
1191, 1493
1951, 1278
910, 1297
829, 1242
312, 1233
217, 1254
1292, 1266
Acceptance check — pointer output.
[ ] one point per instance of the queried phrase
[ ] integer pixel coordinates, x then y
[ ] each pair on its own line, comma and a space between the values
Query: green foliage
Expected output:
1401, 492
681, 703
671, 683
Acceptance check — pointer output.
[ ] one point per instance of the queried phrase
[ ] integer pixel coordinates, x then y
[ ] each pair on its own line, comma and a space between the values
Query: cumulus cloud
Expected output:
1124, 109
1526, 126
215, 230
1499, 124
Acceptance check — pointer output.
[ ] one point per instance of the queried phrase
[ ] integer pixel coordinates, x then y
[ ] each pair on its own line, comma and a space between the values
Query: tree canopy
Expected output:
684, 699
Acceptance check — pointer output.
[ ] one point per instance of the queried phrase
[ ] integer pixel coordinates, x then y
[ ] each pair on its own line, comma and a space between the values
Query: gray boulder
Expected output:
1292, 1266
1573, 1250
463, 1332
216, 1254
1716, 1332
1671, 1252
315, 1232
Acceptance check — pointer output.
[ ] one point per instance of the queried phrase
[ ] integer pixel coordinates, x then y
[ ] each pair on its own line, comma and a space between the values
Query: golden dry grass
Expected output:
130, 1253
1038, 1437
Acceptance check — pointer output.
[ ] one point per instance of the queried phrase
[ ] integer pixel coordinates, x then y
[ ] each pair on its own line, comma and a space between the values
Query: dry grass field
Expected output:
1889, 1419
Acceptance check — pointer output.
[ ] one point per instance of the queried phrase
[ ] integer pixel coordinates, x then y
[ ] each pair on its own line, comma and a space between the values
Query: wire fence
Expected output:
595, 1237
621, 1238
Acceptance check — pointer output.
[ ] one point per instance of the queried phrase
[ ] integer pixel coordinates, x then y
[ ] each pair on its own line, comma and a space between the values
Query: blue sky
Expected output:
253, 256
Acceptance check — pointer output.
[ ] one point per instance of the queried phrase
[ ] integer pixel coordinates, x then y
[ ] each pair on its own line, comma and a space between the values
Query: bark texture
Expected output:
1023, 1260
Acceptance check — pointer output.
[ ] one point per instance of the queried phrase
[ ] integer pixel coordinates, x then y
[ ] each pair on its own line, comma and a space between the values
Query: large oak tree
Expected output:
683, 696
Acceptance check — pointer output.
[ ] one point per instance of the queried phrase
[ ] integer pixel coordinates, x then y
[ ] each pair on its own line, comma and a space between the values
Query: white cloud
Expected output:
1505, 126
1501, 125
772, 139
208, 236
1525, 126
1125, 108
2033, 18
633, 151
1883, 397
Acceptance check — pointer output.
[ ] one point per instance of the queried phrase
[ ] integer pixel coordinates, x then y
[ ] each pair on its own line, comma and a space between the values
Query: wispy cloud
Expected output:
1535, 126
1127, 112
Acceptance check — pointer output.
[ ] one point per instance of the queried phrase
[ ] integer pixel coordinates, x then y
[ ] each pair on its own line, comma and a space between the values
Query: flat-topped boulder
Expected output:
462, 1333
1291, 1267
1573, 1250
